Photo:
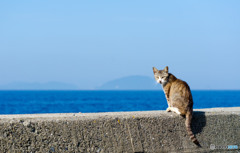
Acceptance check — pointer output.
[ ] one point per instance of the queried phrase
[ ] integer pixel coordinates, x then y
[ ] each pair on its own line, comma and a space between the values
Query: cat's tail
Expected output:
188, 127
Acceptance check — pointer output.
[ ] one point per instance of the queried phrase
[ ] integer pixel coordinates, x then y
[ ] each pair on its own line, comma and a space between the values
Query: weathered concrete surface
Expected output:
152, 131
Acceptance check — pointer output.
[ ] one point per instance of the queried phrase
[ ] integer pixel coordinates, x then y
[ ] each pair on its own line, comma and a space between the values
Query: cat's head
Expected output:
161, 76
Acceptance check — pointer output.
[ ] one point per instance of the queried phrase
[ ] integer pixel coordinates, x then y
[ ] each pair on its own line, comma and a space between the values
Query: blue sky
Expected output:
88, 43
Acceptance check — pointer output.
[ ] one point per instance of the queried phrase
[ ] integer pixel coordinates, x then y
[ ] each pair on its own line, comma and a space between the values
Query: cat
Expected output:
179, 97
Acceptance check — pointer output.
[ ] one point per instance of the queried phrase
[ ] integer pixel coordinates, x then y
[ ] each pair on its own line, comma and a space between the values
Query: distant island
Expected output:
125, 83
38, 86
131, 83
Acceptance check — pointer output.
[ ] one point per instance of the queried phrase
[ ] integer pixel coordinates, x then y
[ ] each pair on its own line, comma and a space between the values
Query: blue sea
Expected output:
33, 102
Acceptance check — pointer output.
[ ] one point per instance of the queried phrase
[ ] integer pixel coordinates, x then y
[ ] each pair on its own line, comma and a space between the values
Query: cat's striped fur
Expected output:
179, 97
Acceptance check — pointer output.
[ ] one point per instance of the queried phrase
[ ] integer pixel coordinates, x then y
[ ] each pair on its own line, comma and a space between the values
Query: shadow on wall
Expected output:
198, 122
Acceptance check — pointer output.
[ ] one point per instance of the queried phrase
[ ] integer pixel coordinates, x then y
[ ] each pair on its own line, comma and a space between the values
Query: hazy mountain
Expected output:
131, 83
38, 86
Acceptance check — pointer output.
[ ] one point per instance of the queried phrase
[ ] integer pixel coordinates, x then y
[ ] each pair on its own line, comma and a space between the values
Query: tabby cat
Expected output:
179, 97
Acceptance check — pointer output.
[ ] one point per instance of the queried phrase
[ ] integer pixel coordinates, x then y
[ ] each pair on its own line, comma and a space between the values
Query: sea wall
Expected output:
150, 131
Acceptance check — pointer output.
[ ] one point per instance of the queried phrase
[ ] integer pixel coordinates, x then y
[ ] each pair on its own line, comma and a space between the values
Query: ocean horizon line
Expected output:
112, 90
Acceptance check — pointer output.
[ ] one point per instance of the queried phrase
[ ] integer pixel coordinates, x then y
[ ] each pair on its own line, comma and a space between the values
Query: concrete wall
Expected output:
153, 131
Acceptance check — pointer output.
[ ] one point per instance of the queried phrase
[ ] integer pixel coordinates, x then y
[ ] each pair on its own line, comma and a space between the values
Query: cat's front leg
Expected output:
168, 109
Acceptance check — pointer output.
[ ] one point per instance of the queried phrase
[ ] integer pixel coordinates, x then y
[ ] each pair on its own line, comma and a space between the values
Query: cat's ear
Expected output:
155, 70
166, 69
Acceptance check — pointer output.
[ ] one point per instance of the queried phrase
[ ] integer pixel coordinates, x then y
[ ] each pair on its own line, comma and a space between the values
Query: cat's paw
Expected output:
168, 109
